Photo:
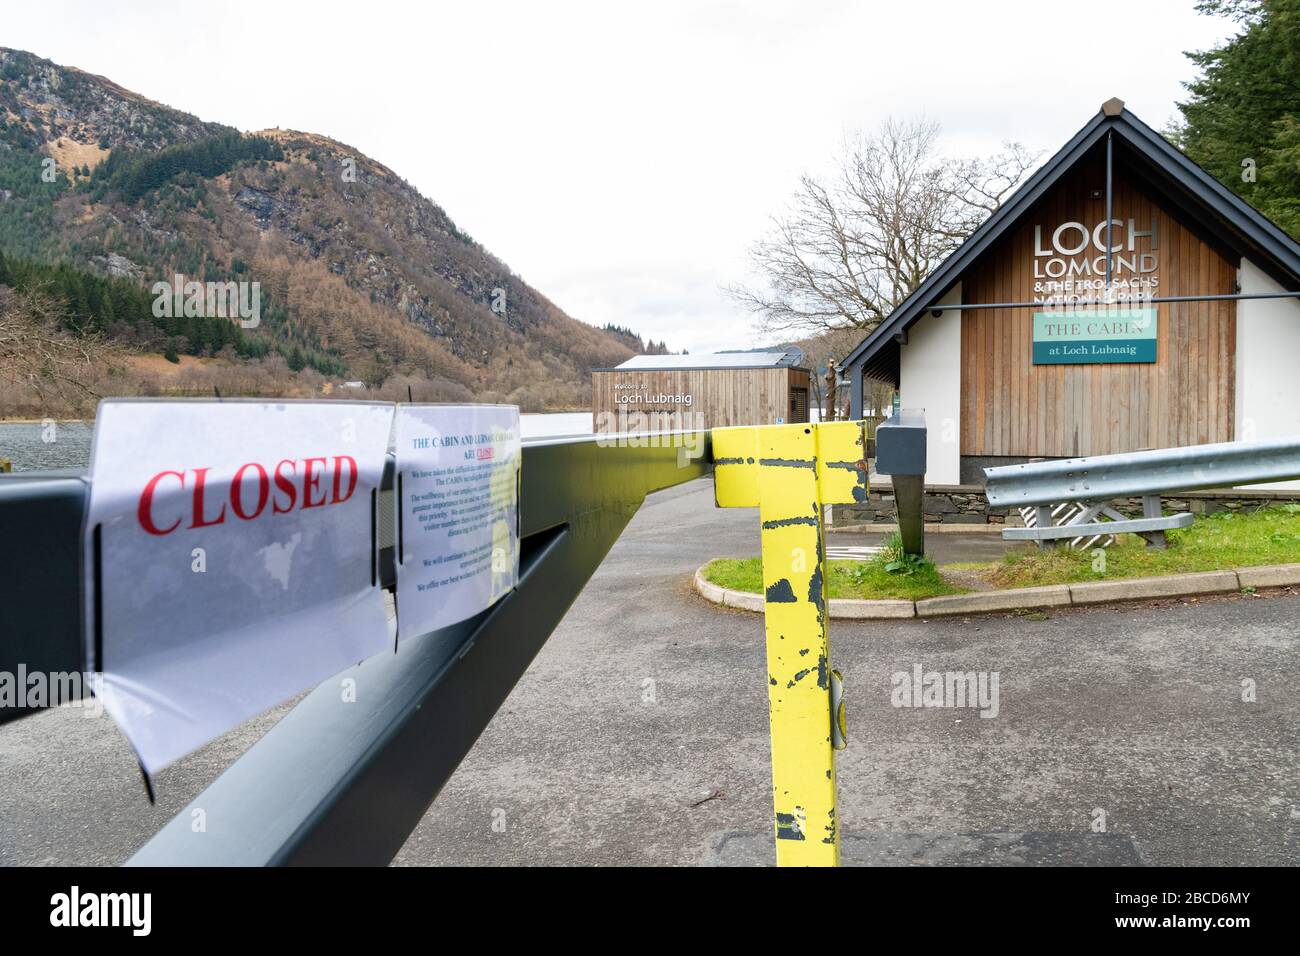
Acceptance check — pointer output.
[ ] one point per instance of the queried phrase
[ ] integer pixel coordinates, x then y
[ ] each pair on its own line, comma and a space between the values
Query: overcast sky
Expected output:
621, 157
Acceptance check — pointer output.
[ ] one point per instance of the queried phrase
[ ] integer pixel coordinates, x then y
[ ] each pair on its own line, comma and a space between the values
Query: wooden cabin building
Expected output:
1121, 299
670, 392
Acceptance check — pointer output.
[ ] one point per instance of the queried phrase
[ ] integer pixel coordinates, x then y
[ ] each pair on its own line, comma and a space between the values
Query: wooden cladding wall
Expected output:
719, 397
1012, 407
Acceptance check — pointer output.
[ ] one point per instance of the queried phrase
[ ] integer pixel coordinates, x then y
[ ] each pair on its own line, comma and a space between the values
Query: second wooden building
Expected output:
670, 392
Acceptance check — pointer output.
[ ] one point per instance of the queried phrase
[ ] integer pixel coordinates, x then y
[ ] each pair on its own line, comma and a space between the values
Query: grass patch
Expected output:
868, 580
1214, 542
864, 580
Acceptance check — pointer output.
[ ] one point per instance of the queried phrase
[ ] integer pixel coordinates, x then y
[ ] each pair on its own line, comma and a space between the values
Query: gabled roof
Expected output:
1201, 202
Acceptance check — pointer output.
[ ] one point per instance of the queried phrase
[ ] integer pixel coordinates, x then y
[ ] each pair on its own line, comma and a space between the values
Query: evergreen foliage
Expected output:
1242, 121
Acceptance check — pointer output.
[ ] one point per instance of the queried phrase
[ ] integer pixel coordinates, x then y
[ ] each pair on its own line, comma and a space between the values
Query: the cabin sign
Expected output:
1095, 336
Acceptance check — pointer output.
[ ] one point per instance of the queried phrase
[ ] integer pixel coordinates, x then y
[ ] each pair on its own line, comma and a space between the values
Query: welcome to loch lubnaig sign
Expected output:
1094, 336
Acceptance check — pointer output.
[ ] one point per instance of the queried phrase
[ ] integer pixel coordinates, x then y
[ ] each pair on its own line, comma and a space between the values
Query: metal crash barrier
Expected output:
347, 785
1068, 498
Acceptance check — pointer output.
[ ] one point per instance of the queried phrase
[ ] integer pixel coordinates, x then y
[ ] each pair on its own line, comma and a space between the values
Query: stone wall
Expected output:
942, 504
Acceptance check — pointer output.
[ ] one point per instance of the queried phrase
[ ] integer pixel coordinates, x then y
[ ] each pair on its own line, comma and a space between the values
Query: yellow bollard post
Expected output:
789, 472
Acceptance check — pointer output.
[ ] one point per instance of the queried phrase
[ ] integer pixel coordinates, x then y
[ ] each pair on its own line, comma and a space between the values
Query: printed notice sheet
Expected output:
458, 512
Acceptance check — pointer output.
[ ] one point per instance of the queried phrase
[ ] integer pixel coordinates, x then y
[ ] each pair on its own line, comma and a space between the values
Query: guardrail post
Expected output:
1043, 519
1151, 509
790, 472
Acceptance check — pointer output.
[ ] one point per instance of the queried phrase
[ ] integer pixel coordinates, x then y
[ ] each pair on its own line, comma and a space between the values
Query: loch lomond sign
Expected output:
1071, 269
1094, 336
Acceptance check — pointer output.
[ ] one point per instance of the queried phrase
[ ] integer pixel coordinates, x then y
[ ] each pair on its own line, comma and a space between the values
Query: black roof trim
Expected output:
1278, 253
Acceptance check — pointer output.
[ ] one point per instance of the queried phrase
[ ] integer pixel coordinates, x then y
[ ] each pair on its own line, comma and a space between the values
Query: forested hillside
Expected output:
103, 194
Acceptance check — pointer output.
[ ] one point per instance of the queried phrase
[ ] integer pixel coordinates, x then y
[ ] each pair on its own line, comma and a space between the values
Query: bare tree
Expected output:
51, 367
853, 247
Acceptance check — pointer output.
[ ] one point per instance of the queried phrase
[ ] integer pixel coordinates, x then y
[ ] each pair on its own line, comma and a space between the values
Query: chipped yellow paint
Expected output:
789, 472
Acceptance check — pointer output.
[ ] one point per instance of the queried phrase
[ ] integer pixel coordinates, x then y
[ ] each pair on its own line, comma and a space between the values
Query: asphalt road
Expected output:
639, 735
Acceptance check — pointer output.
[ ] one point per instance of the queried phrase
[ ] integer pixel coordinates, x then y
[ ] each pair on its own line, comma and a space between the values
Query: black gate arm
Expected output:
338, 782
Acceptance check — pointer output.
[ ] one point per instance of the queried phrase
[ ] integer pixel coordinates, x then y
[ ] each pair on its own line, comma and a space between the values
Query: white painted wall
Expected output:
930, 379
1268, 363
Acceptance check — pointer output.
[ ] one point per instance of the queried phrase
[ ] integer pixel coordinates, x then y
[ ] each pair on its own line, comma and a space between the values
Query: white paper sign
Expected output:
235, 562
458, 512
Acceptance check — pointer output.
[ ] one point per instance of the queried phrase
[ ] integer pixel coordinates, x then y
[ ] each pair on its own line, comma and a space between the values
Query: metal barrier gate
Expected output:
346, 785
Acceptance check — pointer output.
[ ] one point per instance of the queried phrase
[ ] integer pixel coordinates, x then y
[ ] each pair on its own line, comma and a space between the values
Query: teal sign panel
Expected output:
1094, 336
